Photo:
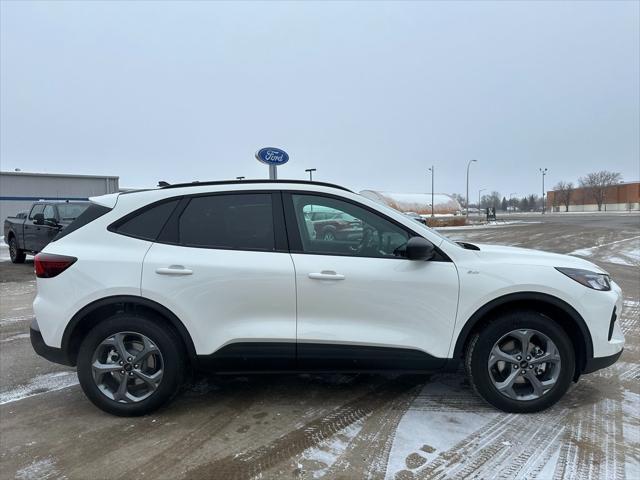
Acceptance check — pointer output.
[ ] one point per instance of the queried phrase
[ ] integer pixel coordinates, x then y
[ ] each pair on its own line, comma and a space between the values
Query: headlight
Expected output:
597, 281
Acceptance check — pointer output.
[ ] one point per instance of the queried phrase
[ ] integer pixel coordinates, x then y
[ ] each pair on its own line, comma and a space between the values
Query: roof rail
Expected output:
236, 182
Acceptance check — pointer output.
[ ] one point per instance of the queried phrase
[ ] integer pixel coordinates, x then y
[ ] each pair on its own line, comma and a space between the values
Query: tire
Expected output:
496, 380
164, 366
16, 255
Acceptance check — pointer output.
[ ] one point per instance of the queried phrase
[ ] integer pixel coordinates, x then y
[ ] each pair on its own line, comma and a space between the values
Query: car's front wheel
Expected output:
129, 365
521, 362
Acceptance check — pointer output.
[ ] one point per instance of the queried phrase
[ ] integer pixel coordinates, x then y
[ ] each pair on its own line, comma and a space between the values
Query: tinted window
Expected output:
148, 223
228, 221
92, 212
329, 226
36, 209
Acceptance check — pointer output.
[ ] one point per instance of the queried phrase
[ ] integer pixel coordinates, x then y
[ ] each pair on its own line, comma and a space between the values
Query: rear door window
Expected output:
229, 221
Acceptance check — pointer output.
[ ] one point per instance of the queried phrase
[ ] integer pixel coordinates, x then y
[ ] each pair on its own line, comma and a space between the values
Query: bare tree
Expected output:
596, 184
460, 198
562, 194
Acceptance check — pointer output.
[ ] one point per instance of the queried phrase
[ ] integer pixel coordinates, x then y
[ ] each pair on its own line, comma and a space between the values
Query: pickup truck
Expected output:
32, 232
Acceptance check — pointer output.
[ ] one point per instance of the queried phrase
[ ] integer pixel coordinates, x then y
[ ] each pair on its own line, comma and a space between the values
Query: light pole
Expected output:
240, 178
510, 196
432, 204
544, 172
468, 165
310, 170
479, 192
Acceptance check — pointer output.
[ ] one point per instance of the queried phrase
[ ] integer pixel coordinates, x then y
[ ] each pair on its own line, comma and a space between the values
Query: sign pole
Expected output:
273, 172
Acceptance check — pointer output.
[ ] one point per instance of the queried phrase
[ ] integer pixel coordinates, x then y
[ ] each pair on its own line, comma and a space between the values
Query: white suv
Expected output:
146, 286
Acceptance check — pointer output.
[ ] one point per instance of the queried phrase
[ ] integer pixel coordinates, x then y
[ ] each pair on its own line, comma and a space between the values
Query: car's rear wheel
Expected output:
16, 255
521, 362
129, 365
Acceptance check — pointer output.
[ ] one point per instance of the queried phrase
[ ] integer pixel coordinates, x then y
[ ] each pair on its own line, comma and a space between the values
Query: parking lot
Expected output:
335, 426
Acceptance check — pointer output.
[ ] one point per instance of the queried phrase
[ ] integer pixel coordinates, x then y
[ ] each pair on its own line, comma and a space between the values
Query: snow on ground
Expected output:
320, 458
39, 469
442, 425
621, 252
4, 250
38, 385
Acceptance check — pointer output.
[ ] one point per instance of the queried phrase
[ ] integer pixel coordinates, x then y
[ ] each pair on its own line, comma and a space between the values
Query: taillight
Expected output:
48, 265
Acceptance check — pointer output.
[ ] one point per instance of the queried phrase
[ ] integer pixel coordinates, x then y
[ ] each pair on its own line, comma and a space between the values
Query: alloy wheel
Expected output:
127, 367
524, 364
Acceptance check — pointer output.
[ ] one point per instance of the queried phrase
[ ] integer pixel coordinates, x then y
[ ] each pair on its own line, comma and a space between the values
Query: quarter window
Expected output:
234, 221
148, 223
335, 227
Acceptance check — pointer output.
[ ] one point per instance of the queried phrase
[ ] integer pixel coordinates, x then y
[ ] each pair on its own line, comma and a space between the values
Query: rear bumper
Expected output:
598, 363
56, 355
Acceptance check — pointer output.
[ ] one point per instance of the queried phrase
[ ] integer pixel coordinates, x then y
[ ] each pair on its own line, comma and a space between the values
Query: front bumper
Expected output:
598, 363
56, 355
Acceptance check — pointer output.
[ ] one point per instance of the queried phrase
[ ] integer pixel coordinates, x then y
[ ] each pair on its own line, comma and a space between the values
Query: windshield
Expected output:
71, 211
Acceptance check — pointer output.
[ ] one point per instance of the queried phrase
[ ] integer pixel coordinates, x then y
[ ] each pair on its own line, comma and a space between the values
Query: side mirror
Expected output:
419, 248
38, 219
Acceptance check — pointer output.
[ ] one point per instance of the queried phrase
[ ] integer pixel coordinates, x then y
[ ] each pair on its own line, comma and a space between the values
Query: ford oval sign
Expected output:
272, 156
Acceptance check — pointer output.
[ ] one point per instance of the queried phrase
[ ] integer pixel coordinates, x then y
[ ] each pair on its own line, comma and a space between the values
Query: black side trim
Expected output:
523, 297
55, 355
316, 357
251, 357
598, 363
334, 357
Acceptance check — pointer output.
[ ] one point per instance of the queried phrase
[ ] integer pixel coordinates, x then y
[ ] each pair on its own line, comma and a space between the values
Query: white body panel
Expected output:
231, 296
380, 302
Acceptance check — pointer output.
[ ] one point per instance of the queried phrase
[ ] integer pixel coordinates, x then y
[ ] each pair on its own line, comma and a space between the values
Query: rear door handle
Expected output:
174, 270
326, 275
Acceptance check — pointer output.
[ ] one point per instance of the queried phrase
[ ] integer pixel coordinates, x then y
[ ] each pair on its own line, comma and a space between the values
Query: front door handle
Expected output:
326, 275
174, 270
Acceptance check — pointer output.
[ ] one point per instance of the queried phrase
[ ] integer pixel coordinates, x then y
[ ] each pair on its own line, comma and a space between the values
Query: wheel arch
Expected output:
97, 310
560, 311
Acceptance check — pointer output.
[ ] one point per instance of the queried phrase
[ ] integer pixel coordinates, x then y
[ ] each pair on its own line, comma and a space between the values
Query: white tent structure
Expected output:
415, 202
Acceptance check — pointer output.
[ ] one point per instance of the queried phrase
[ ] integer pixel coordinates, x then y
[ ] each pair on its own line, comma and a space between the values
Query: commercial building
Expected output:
619, 197
416, 202
18, 190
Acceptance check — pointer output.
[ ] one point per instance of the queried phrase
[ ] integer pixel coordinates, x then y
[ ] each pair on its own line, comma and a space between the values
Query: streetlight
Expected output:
468, 165
310, 170
432, 174
544, 172
479, 192
510, 204
240, 178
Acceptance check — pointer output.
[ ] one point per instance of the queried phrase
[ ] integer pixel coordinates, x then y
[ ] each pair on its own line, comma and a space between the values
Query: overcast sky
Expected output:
370, 94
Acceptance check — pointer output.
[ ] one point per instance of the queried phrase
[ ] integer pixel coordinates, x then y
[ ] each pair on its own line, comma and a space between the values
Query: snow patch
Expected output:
627, 254
20, 336
38, 469
427, 430
49, 382
8, 321
326, 453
